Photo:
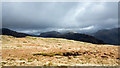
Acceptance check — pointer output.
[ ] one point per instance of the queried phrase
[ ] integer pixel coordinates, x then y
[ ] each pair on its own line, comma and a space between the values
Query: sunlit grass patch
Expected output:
19, 46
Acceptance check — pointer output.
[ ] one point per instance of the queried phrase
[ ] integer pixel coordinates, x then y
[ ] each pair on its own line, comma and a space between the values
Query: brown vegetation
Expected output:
56, 52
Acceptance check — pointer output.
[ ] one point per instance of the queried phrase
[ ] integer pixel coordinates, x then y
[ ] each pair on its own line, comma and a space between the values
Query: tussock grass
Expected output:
47, 54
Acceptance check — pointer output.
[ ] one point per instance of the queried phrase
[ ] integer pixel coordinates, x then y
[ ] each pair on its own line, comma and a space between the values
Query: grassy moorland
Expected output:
34, 51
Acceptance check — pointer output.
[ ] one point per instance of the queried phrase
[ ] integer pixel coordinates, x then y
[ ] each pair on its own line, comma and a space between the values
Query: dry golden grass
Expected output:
56, 52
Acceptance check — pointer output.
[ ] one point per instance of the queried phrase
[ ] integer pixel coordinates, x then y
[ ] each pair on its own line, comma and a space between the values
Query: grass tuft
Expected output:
46, 54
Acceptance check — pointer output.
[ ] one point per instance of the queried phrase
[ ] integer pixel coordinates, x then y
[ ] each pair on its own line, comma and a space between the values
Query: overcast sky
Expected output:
31, 17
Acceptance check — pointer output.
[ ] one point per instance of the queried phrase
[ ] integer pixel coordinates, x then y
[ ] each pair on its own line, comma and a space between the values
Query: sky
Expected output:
37, 17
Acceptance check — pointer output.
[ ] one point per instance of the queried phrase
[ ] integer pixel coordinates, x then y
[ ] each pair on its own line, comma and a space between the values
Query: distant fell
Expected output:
49, 34
72, 36
110, 36
6, 31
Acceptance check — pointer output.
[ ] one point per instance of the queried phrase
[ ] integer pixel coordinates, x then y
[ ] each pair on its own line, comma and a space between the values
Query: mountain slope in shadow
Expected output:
49, 34
110, 36
72, 36
55, 34
5, 31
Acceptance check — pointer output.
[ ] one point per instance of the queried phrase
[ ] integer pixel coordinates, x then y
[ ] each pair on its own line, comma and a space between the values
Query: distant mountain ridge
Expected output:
106, 36
55, 34
49, 34
9, 32
72, 36
109, 36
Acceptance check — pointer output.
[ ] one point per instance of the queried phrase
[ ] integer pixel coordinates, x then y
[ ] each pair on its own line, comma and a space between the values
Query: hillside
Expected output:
9, 32
55, 34
49, 34
109, 36
72, 36
34, 51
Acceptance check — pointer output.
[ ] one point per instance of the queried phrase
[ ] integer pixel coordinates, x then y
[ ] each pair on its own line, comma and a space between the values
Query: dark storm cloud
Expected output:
46, 16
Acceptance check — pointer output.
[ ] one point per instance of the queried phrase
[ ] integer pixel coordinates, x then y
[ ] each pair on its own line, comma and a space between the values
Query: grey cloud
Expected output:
46, 16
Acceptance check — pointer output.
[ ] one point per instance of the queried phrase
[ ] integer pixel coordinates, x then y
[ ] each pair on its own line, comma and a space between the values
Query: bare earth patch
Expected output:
34, 51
